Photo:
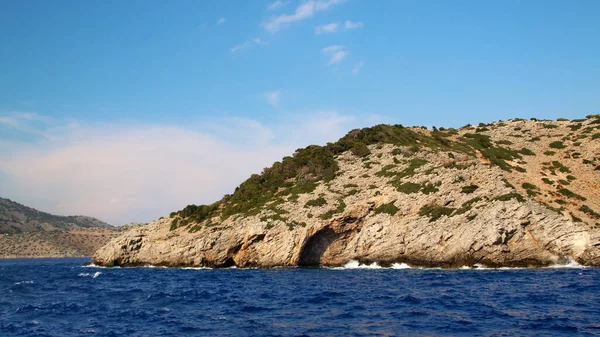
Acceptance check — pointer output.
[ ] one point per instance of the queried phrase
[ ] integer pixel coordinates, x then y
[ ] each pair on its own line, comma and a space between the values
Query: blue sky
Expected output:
120, 109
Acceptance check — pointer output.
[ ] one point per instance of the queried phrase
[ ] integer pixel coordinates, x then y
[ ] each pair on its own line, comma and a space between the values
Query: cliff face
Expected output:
513, 193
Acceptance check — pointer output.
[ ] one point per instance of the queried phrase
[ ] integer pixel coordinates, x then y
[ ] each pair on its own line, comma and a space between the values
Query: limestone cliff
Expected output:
510, 193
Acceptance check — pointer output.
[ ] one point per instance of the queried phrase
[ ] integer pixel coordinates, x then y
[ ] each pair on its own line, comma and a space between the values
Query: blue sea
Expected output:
61, 297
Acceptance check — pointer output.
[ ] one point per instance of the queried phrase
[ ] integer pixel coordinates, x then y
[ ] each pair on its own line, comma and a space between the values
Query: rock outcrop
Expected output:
504, 194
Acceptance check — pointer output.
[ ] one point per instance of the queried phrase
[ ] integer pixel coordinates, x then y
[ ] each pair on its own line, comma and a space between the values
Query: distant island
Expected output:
509, 193
28, 233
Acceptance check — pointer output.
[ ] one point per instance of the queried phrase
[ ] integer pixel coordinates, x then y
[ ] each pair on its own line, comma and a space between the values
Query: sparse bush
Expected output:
318, 202
434, 212
508, 196
527, 152
469, 189
548, 181
388, 208
557, 145
570, 194
587, 210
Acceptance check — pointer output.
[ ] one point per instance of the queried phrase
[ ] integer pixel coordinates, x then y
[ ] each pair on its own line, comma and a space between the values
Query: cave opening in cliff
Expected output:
315, 247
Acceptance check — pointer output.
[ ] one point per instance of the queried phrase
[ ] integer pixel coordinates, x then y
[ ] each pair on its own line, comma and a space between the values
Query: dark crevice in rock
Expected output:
316, 246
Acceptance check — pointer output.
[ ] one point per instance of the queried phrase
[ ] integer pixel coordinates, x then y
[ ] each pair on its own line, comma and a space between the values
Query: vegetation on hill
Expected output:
17, 218
302, 172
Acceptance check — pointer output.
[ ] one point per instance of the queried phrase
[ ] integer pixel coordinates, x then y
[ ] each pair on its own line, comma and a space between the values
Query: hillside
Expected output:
27, 232
508, 193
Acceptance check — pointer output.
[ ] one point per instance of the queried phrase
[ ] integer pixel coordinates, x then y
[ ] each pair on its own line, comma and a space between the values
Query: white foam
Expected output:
571, 264
353, 264
94, 275
91, 265
196, 268
400, 266
24, 282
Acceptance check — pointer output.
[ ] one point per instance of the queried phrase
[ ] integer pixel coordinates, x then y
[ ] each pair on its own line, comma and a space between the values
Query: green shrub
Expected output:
408, 187
508, 196
467, 206
527, 152
549, 153
195, 228
575, 219
570, 194
353, 192
174, 224
571, 178
548, 181
557, 145
469, 189
528, 186
318, 202
388, 208
434, 212
587, 210
560, 167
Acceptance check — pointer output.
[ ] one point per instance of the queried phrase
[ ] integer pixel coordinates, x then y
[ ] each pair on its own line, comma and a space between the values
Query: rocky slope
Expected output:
509, 193
27, 232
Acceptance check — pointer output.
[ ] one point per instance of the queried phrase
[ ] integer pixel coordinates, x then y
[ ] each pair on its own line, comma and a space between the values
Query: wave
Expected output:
23, 282
570, 264
353, 264
94, 275
91, 265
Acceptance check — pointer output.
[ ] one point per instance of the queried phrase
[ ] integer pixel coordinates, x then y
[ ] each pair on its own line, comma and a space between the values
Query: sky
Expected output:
128, 110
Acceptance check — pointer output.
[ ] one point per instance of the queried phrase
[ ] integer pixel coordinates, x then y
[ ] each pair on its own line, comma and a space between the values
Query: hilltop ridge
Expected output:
27, 232
517, 192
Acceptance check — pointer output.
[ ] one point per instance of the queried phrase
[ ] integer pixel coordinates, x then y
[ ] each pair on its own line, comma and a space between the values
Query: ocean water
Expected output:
60, 297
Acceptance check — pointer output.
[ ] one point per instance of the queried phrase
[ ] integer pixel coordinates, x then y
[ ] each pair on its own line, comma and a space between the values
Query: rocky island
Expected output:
509, 193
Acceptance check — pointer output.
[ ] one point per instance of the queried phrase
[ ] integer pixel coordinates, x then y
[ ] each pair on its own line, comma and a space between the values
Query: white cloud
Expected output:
353, 25
303, 11
248, 44
138, 172
277, 4
22, 121
336, 54
273, 97
357, 66
332, 49
221, 21
328, 28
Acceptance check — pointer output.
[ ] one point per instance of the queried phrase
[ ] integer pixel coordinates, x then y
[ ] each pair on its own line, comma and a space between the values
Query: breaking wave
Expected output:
92, 275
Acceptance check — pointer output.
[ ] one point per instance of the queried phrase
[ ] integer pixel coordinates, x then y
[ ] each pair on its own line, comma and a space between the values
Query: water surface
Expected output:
60, 297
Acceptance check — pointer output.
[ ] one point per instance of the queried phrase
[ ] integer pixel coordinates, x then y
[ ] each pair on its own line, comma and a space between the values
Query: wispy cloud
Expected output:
303, 11
353, 25
328, 28
335, 53
277, 4
272, 97
248, 44
357, 66
23, 121
138, 172
221, 21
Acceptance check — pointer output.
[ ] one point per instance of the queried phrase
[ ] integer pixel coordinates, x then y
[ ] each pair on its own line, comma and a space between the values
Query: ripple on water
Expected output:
67, 300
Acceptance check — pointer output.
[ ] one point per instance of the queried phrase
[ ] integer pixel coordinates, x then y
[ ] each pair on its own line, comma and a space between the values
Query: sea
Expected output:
62, 297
